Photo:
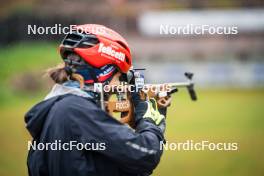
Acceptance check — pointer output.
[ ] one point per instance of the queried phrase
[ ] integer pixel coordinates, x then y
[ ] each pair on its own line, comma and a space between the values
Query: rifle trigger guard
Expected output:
164, 101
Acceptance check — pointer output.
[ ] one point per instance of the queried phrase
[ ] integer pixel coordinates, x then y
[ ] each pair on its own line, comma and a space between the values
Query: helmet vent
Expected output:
69, 43
127, 61
88, 42
123, 45
74, 36
80, 40
71, 40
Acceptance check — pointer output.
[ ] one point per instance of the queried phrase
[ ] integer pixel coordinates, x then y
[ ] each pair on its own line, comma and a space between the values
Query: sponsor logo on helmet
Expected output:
108, 50
106, 70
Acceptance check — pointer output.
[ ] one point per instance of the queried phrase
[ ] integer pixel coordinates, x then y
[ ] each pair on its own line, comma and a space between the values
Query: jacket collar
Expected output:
69, 87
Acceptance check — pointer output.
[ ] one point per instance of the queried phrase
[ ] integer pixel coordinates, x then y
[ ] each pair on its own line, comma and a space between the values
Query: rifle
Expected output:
120, 101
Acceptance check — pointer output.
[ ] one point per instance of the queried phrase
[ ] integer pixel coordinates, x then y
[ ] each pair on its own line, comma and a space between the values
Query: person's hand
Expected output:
147, 109
153, 112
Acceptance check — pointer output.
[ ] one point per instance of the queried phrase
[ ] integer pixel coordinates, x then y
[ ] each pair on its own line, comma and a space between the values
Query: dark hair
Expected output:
58, 74
61, 74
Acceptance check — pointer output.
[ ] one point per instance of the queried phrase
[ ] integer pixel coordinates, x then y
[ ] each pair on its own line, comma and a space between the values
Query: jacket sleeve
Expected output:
135, 151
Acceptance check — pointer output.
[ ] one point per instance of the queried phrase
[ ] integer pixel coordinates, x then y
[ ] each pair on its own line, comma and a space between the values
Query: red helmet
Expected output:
98, 46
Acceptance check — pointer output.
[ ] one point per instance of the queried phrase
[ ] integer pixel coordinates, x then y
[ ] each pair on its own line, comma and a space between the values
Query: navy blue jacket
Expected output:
74, 118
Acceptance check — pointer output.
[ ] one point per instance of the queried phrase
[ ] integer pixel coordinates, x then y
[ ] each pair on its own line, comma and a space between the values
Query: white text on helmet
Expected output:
111, 52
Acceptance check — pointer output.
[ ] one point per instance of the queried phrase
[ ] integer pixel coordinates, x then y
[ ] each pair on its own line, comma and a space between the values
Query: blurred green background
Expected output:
229, 72
220, 115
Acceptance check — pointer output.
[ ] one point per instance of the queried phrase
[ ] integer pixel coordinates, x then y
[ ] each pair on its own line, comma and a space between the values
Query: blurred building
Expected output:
235, 60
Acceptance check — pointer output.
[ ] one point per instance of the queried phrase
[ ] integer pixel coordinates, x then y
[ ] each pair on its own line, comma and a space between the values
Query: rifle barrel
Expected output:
173, 85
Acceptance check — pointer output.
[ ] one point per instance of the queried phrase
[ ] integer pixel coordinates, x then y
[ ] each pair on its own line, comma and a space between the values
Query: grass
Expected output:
22, 58
218, 116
